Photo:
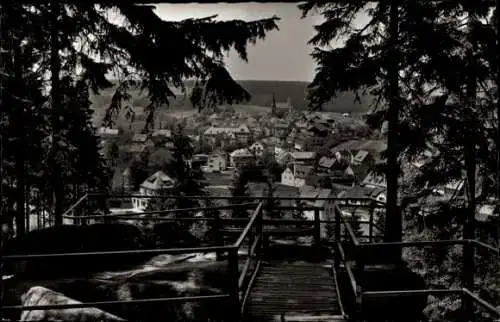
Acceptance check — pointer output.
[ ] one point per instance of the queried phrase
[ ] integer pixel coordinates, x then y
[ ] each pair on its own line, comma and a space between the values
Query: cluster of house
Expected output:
346, 170
139, 142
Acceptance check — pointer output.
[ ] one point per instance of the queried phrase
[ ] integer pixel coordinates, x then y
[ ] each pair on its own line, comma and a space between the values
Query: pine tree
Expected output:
162, 68
21, 104
393, 57
367, 62
143, 45
189, 181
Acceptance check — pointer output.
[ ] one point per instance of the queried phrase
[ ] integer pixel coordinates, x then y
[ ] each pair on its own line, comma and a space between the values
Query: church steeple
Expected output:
273, 107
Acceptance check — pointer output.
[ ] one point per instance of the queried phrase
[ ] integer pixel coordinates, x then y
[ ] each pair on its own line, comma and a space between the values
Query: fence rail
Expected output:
356, 263
350, 246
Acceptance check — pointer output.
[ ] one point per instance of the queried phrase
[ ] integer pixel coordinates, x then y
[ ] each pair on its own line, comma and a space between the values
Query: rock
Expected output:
122, 277
42, 296
170, 279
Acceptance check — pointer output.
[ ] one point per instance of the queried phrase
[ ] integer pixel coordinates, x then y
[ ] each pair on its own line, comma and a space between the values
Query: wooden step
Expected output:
306, 289
312, 318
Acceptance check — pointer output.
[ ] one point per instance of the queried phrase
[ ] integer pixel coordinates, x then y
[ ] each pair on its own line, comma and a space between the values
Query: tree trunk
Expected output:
55, 62
393, 222
470, 167
498, 99
18, 124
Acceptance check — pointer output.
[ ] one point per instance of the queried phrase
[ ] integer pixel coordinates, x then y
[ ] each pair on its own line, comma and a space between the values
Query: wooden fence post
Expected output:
317, 227
370, 229
468, 279
219, 239
234, 292
360, 268
337, 235
259, 233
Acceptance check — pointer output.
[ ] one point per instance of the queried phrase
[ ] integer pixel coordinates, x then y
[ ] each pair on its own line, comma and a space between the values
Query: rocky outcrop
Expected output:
159, 278
42, 296
118, 278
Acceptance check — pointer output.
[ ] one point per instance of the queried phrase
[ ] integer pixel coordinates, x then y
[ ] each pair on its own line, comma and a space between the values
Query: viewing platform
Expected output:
332, 268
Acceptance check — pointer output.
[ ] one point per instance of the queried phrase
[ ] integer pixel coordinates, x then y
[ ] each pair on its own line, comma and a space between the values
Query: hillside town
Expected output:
317, 154
229, 161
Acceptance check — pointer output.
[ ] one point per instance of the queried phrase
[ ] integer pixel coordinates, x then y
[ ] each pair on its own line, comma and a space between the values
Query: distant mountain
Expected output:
261, 92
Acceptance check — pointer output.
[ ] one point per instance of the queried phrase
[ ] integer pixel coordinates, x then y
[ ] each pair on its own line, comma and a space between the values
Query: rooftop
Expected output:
159, 180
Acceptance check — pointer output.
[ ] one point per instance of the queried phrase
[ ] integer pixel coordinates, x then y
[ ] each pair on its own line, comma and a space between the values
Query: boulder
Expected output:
39, 295
161, 277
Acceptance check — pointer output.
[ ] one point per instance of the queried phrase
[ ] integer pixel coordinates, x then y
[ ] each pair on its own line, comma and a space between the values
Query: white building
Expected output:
297, 176
155, 185
240, 157
215, 163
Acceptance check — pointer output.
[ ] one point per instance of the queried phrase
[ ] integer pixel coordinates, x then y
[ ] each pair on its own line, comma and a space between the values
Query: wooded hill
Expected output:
262, 95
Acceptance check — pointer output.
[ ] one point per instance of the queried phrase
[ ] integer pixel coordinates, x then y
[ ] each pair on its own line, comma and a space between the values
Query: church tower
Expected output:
274, 109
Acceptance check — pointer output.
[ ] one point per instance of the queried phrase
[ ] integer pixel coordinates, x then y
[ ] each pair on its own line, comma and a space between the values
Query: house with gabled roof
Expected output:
216, 162
157, 184
284, 157
241, 132
325, 164
241, 157
305, 157
295, 175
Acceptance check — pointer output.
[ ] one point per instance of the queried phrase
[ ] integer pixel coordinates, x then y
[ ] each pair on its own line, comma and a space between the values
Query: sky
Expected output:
282, 55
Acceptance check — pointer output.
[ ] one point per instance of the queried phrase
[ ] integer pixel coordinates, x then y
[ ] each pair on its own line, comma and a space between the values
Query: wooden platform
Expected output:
284, 291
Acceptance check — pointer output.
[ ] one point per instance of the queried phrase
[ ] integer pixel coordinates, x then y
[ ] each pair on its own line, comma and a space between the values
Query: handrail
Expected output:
167, 211
243, 273
207, 249
481, 302
244, 234
416, 243
112, 303
250, 284
348, 268
348, 226
478, 243
462, 291
76, 204
125, 196
378, 294
423, 243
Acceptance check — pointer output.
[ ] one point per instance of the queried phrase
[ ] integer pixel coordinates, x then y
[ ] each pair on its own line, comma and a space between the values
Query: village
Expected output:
318, 155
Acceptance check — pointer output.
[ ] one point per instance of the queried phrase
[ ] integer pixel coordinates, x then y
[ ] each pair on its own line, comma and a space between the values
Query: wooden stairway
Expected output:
293, 291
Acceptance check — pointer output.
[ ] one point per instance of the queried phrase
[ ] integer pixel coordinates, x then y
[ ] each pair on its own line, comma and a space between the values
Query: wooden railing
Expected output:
253, 236
251, 239
352, 253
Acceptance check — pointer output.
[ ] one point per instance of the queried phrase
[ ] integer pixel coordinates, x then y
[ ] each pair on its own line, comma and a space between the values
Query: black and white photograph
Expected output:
253, 161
